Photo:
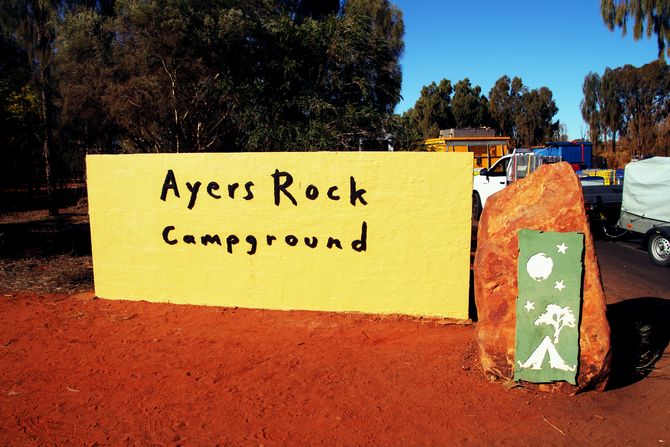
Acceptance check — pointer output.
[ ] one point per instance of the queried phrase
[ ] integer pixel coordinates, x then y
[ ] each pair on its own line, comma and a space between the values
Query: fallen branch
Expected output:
557, 429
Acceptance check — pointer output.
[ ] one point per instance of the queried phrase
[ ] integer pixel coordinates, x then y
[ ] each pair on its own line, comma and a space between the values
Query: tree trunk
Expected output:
45, 111
177, 125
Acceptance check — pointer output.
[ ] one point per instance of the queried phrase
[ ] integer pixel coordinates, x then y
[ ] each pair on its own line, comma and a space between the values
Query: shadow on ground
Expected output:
46, 254
640, 332
472, 306
53, 236
26, 230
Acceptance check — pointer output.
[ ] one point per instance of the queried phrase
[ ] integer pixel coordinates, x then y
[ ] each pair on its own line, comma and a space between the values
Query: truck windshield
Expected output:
499, 169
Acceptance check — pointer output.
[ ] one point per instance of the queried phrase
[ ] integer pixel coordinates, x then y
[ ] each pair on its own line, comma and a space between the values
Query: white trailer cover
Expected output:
646, 188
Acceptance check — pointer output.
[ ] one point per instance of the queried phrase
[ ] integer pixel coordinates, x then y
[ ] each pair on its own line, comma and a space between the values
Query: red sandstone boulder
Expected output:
550, 199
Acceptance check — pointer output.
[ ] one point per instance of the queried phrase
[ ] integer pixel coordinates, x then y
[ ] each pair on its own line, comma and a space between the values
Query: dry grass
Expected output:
46, 274
625, 152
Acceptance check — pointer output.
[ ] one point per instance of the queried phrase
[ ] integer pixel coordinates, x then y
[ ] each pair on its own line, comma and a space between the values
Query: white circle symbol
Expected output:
539, 266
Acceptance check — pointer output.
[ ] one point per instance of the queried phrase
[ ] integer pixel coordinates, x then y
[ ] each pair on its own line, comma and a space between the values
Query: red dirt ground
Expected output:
75, 370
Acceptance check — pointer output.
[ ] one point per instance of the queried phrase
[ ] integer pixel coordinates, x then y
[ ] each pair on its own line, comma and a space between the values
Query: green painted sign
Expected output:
548, 306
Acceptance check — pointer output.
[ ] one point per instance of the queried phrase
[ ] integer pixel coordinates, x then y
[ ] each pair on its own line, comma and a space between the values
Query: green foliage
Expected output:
83, 73
402, 131
645, 104
108, 76
652, 14
165, 77
534, 117
524, 115
469, 106
432, 111
178, 75
611, 112
504, 105
591, 106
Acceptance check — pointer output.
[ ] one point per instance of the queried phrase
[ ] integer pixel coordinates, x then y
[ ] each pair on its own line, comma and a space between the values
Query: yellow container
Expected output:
608, 175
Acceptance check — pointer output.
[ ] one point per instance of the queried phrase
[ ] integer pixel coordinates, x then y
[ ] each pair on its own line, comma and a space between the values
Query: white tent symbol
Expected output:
537, 357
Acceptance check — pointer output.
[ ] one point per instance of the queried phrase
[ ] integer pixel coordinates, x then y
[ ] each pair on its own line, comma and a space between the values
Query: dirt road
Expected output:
627, 272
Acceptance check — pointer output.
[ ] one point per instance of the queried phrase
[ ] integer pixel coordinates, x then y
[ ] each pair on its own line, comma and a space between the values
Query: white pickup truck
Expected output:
602, 202
487, 183
508, 169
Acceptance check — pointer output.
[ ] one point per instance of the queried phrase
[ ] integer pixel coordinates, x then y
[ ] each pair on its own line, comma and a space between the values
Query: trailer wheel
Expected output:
659, 250
476, 206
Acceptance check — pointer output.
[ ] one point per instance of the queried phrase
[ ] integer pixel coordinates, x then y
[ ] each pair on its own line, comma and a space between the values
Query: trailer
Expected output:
645, 207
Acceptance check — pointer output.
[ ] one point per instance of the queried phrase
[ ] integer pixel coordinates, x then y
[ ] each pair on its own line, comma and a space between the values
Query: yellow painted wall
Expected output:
416, 259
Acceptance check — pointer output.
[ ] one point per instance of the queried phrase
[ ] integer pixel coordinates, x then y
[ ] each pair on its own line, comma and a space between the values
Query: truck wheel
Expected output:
476, 206
659, 250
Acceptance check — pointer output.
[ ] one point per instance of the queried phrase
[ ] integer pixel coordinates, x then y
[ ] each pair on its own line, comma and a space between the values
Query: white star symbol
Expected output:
559, 285
562, 248
530, 305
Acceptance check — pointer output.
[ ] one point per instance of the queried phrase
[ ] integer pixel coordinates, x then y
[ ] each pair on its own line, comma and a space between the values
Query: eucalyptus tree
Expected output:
444, 106
525, 115
469, 106
207, 75
631, 102
591, 105
645, 104
329, 83
652, 15
84, 73
534, 120
504, 104
432, 111
601, 106
512, 109
611, 113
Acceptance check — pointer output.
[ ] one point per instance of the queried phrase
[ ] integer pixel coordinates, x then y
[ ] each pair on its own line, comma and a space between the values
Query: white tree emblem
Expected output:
558, 317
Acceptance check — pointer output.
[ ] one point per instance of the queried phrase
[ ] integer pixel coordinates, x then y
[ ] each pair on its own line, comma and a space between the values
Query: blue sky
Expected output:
553, 44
